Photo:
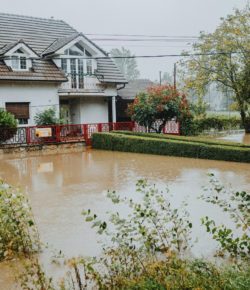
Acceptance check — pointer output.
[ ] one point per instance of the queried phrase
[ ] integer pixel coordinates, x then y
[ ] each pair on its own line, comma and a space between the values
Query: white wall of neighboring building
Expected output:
94, 110
111, 91
40, 96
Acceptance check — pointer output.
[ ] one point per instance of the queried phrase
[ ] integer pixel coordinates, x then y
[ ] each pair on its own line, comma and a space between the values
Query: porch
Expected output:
87, 108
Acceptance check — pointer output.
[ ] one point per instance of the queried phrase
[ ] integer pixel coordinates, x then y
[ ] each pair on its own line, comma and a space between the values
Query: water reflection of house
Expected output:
46, 62
127, 95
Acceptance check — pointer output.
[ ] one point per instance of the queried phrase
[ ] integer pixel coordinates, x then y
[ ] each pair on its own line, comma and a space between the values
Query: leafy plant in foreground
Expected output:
151, 231
18, 232
237, 205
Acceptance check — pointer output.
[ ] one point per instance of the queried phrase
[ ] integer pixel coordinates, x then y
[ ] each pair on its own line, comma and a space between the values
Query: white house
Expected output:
46, 63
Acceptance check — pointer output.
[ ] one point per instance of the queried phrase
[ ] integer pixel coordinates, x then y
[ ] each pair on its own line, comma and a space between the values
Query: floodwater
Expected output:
241, 138
60, 186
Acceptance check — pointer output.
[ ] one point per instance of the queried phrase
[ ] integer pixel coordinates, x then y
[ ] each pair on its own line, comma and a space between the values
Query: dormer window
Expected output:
19, 56
18, 62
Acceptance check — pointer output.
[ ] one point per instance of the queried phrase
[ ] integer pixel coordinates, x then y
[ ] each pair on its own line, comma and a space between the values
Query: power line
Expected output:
145, 39
145, 46
158, 55
170, 55
141, 35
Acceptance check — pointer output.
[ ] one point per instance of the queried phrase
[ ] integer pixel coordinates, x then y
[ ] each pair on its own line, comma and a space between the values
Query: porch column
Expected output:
114, 109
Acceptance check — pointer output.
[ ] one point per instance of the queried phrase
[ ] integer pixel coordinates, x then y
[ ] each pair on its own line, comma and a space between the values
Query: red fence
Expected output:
79, 132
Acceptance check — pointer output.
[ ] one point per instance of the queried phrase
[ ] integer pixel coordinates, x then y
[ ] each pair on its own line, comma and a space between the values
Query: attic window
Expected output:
87, 53
19, 51
18, 62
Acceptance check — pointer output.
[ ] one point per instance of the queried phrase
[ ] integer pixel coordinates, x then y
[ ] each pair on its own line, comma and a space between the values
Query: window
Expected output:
14, 62
77, 62
74, 50
80, 74
89, 66
64, 65
73, 73
23, 64
19, 110
18, 62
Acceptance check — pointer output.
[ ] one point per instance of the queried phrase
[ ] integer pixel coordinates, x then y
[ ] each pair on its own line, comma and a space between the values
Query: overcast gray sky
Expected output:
154, 17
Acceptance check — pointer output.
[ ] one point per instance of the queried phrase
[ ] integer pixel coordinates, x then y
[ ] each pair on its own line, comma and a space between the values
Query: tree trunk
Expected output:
163, 124
244, 120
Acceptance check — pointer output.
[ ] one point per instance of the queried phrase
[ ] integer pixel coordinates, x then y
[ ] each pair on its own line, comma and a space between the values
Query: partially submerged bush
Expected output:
18, 232
47, 117
8, 125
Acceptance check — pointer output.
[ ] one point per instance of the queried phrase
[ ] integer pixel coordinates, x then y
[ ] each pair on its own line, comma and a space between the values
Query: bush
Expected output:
8, 125
171, 147
237, 205
217, 123
18, 233
47, 117
204, 140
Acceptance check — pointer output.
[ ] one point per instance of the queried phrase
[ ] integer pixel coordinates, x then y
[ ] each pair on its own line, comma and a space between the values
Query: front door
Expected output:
65, 113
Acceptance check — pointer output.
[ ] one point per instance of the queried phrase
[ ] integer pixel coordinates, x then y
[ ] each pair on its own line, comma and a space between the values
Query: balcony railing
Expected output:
81, 83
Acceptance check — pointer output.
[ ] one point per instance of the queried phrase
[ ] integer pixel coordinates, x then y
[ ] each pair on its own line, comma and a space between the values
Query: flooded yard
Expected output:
60, 186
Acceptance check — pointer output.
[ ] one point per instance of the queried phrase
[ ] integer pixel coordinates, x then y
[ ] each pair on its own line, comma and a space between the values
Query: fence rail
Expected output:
68, 133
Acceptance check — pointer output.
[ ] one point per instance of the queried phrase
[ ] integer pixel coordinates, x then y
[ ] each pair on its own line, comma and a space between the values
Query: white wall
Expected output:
94, 110
41, 96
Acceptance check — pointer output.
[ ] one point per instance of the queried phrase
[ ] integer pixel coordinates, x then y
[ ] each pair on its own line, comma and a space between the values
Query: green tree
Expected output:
128, 66
8, 125
158, 105
223, 57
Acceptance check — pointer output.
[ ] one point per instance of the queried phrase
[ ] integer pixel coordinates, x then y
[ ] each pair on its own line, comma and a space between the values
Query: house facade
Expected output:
46, 63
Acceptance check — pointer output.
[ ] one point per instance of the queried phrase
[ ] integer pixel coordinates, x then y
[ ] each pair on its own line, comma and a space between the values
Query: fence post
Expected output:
85, 133
27, 132
58, 133
99, 127
179, 128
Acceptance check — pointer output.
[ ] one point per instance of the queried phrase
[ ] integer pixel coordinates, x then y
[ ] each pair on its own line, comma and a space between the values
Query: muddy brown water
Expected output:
60, 186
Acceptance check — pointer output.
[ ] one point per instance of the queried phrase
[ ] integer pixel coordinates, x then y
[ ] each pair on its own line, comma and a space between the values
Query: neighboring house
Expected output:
127, 95
46, 63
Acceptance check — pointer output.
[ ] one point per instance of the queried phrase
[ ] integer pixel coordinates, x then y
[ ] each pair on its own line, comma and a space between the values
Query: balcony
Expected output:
79, 84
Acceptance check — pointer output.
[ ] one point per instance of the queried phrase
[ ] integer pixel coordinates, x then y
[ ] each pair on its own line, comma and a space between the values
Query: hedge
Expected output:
203, 140
217, 123
170, 147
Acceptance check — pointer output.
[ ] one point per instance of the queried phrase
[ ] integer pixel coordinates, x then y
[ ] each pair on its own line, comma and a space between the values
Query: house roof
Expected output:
108, 72
38, 33
59, 43
135, 87
45, 36
43, 70
9, 46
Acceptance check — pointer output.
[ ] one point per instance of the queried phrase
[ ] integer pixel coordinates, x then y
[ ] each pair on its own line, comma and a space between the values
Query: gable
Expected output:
59, 46
20, 48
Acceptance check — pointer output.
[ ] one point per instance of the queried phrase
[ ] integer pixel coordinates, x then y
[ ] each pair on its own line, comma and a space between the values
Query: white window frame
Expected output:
19, 56
85, 59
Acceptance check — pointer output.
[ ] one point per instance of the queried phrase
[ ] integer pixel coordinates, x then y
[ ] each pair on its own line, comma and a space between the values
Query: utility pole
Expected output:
160, 77
175, 75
